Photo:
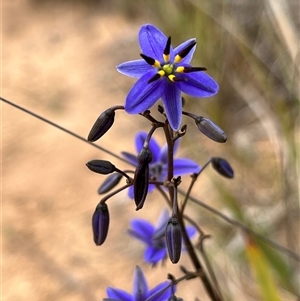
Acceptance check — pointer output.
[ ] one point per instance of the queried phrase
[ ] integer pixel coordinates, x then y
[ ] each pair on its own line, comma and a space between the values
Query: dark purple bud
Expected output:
110, 182
102, 125
160, 109
222, 167
101, 166
174, 298
173, 239
100, 223
141, 177
210, 129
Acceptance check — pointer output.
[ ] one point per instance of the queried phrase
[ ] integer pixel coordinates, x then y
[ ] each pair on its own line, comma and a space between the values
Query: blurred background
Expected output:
58, 60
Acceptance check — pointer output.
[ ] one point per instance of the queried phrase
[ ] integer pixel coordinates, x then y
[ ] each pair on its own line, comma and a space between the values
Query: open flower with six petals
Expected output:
164, 73
154, 236
158, 167
140, 291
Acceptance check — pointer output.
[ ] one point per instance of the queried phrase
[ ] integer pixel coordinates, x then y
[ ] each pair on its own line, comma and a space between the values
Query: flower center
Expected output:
171, 70
156, 171
168, 68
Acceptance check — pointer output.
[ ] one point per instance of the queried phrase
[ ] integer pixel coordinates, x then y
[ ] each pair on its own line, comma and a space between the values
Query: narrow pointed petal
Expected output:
130, 158
189, 56
163, 155
198, 84
118, 294
142, 230
164, 289
110, 182
142, 95
140, 286
162, 220
152, 41
173, 105
131, 192
153, 255
185, 166
191, 231
153, 145
134, 68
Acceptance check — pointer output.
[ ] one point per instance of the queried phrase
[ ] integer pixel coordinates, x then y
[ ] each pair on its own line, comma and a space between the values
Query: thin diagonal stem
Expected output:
63, 129
244, 228
231, 221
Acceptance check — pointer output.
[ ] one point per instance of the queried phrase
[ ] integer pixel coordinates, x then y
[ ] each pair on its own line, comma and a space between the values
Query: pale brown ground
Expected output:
59, 62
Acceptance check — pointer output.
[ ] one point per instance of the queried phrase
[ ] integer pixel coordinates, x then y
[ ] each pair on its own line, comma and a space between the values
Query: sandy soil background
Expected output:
59, 61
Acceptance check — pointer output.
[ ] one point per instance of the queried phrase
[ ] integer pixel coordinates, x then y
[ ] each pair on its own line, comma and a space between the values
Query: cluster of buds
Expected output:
163, 73
151, 170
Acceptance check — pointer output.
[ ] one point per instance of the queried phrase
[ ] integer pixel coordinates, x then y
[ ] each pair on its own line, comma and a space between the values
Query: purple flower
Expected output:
164, 73
158, 168
154, 236
140, 290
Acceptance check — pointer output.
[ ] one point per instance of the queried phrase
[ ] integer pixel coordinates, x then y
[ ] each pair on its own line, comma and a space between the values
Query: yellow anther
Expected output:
161, 73
171, 77
156, 64
178, 58
166, 57
180, 69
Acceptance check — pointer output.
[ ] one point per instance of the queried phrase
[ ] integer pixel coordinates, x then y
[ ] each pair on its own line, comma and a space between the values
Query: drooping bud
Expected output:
110, 182
210, 129
174, 298
102, 125
101, 166
100, 223
141, 177
222, 167
173, 239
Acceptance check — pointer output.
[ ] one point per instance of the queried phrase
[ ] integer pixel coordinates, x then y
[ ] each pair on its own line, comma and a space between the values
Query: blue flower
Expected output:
140, 291
154, 236
163, 73
158, 168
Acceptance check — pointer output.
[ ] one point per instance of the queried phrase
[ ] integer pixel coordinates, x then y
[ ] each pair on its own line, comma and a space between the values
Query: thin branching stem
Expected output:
108, 196
231, 221
62, 129
194, 178
244, 228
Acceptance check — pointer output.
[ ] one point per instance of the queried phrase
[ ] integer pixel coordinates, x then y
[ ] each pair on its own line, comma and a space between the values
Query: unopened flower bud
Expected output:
222, 167
110, 182
174, 298
210, 129
101, 166
173, 239
102, 125
100, 223
141, 177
